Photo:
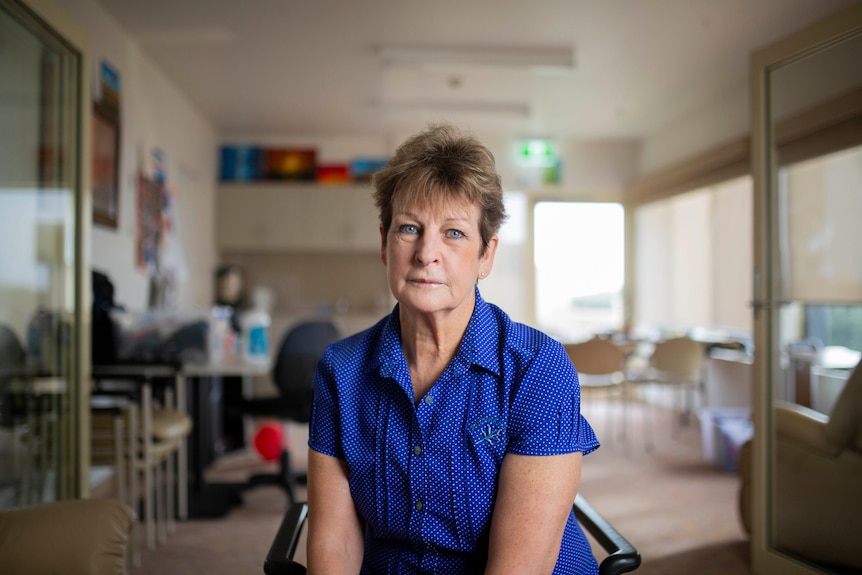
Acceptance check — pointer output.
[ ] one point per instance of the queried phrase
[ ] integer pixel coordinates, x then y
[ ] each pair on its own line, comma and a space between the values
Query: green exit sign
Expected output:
537, 152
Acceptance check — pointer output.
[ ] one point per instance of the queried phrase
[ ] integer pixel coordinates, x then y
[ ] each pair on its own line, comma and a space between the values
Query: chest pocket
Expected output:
484, 445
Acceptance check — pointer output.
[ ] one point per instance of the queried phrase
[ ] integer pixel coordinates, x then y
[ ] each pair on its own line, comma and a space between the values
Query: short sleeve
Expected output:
324, 428
546, 418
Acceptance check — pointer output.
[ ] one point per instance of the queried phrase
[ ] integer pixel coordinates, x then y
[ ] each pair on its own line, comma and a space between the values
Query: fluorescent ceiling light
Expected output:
189, 36
425, 107
535, 57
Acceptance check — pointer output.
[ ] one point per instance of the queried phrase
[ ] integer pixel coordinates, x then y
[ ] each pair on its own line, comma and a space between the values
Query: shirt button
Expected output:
428, 399
418, 506
417, 450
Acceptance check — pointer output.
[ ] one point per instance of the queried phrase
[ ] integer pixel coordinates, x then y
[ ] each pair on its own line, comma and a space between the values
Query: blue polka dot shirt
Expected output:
423, 475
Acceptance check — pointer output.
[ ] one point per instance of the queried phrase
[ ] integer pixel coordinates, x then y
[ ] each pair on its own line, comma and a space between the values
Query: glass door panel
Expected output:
39, 104
807, 150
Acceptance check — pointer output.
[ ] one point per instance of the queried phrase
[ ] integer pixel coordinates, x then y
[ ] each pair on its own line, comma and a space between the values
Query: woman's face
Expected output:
432, 254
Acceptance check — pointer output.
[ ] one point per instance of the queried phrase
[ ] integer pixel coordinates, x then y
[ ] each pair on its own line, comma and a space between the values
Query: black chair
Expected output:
293, 375
13, 360
622, 558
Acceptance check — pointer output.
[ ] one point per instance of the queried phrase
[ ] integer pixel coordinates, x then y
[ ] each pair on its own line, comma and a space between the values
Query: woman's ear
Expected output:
486, 262
382, 245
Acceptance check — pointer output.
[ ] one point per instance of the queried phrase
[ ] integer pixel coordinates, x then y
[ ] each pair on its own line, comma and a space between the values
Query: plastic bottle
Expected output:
219, 327
255, 329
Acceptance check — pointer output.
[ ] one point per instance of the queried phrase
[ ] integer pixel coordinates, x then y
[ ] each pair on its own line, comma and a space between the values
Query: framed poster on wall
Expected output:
106, 165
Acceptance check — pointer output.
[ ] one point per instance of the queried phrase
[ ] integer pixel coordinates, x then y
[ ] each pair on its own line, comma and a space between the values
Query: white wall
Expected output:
154, 114
723, 120
728, 117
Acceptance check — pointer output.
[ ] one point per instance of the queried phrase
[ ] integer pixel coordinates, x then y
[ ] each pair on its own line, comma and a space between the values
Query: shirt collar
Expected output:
479, 346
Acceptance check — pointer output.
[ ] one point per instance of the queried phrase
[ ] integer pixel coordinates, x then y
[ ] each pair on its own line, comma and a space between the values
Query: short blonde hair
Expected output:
441, 163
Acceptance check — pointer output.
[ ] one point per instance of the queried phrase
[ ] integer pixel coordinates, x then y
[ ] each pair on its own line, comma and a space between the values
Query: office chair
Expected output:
622, 558
13, 359
293, 375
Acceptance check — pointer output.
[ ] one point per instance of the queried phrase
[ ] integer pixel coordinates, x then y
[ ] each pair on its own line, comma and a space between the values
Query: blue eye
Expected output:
408, 229
454, 234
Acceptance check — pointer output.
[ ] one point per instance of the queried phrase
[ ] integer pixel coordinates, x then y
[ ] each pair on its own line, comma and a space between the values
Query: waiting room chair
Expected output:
622, 558
293, 375
677, 364
601, 366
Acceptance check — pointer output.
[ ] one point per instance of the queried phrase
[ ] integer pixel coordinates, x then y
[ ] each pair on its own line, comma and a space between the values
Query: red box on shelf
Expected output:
333, 174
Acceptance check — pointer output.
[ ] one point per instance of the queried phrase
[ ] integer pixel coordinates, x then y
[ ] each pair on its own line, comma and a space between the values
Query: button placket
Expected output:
418, 475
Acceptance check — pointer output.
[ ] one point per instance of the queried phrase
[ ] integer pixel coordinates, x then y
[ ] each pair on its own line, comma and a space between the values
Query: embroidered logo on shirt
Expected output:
487, 431
490, 435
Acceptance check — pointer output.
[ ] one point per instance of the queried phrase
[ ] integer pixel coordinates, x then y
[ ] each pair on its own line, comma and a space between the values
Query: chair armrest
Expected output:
623, 557
74, 537
804, 427
279, 559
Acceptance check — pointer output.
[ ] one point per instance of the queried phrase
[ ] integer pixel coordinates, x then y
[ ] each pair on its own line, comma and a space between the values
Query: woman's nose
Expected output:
428, 249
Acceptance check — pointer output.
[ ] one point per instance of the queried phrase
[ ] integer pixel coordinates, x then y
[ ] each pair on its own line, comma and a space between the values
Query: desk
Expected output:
211, 500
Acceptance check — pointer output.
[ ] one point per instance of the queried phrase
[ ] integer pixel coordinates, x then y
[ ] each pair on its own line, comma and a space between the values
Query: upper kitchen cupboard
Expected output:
296, 217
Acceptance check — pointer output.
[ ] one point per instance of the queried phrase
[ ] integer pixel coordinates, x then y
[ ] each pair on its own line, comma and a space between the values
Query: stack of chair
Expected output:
142, 440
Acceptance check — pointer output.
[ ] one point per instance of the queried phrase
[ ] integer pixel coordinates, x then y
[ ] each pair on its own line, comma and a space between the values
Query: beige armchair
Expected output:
818, 479
77, 537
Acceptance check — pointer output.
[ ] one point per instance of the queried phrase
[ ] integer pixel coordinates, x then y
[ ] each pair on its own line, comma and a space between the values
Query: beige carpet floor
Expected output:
679, 510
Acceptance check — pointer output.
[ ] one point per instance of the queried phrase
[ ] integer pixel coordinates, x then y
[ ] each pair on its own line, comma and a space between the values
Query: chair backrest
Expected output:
596, 357
295, 364
679, 356
12, 353
103, 344
12, 356
845, 422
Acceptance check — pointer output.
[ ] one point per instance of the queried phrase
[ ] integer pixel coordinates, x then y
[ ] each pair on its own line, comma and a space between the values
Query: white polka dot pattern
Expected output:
424, 475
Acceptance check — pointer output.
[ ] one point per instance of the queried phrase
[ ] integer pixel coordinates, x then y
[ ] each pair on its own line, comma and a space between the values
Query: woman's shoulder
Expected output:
358, 345
517, 335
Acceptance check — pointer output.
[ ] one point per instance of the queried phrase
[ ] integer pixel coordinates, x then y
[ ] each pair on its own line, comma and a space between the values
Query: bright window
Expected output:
580, 268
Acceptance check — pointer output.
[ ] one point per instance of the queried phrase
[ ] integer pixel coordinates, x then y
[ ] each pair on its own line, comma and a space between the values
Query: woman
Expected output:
446, 439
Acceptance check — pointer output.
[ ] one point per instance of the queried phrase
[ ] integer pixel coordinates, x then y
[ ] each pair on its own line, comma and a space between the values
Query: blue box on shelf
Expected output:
240, 163
361, 169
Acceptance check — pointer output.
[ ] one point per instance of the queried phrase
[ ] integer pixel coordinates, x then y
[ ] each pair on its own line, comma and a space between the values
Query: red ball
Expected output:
267, 441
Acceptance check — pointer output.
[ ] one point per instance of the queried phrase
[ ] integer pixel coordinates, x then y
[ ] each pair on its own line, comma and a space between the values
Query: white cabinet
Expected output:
276, 216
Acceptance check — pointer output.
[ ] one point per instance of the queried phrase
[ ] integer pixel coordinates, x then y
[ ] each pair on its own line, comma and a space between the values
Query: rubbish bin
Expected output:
723, 431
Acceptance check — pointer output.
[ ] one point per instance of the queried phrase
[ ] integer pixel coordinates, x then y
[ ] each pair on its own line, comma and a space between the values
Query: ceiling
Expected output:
270, 67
